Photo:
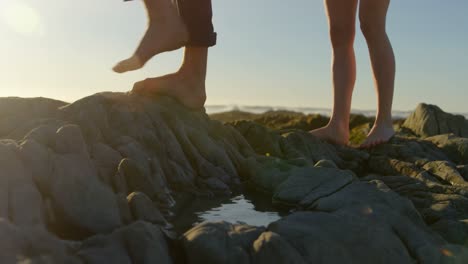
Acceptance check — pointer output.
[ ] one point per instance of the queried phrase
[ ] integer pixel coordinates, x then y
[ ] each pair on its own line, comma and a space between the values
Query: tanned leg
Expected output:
341, 18
187, 85
372, 14
166, 32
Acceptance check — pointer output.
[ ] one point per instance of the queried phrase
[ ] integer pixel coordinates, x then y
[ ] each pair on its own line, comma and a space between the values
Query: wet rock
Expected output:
220, 242
430, 120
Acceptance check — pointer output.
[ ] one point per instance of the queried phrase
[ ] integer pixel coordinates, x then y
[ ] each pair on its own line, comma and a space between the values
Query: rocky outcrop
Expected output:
102, 179
430, 120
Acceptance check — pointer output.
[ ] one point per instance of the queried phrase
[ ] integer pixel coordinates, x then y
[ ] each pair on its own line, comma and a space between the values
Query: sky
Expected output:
269, 52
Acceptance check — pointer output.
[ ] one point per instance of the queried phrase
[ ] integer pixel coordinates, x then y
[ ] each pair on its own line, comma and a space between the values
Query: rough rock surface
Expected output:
95, 181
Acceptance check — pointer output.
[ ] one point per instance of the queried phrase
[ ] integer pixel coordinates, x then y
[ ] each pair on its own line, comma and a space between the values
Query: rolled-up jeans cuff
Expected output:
206, 40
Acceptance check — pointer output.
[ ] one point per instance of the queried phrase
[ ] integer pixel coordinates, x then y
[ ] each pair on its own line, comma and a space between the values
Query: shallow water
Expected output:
242, 208
238, 209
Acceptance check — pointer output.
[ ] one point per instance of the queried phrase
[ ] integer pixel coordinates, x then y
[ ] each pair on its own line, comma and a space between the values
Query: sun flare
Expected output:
23, 19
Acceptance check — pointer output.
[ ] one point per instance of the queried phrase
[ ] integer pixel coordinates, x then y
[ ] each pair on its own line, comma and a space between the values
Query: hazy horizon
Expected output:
269, 53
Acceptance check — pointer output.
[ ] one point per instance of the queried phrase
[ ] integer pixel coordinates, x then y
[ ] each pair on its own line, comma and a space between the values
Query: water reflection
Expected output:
243, 208
238, 209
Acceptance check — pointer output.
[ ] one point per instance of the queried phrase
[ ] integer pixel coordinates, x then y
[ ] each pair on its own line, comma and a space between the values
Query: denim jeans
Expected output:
197, 15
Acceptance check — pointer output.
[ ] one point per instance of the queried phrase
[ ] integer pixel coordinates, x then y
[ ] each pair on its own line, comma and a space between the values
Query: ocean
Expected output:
213, 109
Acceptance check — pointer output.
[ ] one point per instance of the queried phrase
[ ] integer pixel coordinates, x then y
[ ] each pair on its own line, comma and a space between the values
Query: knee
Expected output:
342, 35
372, 30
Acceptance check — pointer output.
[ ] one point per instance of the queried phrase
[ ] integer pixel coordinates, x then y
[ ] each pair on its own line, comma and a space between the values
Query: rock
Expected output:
106, 161
14, 112
455, 232
267, 173
219, 242
456, 148
142, 208
445, 170
463, 169
263, 141
139, 242
80, 200
284, 120
326, 164
82, 203
32, 245
430, 120
326, 238
141, 180
69, 139
233, 116
300, 144
358, 134
21, 201
272, 248
306, 185
67, 171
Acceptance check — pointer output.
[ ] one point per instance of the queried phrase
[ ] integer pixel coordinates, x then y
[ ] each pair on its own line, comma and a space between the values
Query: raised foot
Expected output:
166, 32
332, 134
186, 90
378, 135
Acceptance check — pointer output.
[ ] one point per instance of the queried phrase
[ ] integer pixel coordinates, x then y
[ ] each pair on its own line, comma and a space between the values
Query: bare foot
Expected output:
334, 134
166, 32
186, 89
379, 134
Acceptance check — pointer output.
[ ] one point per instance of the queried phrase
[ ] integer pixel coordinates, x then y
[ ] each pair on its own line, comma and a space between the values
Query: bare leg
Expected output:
166, 32
187, 85
341, 18
372, 14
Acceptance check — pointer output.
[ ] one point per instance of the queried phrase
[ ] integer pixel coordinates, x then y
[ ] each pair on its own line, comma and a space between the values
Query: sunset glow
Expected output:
23, 19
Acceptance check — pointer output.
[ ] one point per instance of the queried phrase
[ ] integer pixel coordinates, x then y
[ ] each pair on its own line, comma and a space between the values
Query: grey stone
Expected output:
455, 232
139, 242
143, 208
220, 242
447, 171
430, 120
307, 184
455, 147
328, 238
22, 202
272, 248
79, 199
24, 244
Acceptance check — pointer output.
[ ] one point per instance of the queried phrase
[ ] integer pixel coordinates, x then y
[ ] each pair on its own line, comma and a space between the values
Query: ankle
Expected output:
194, 64
341, 125
383, 122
